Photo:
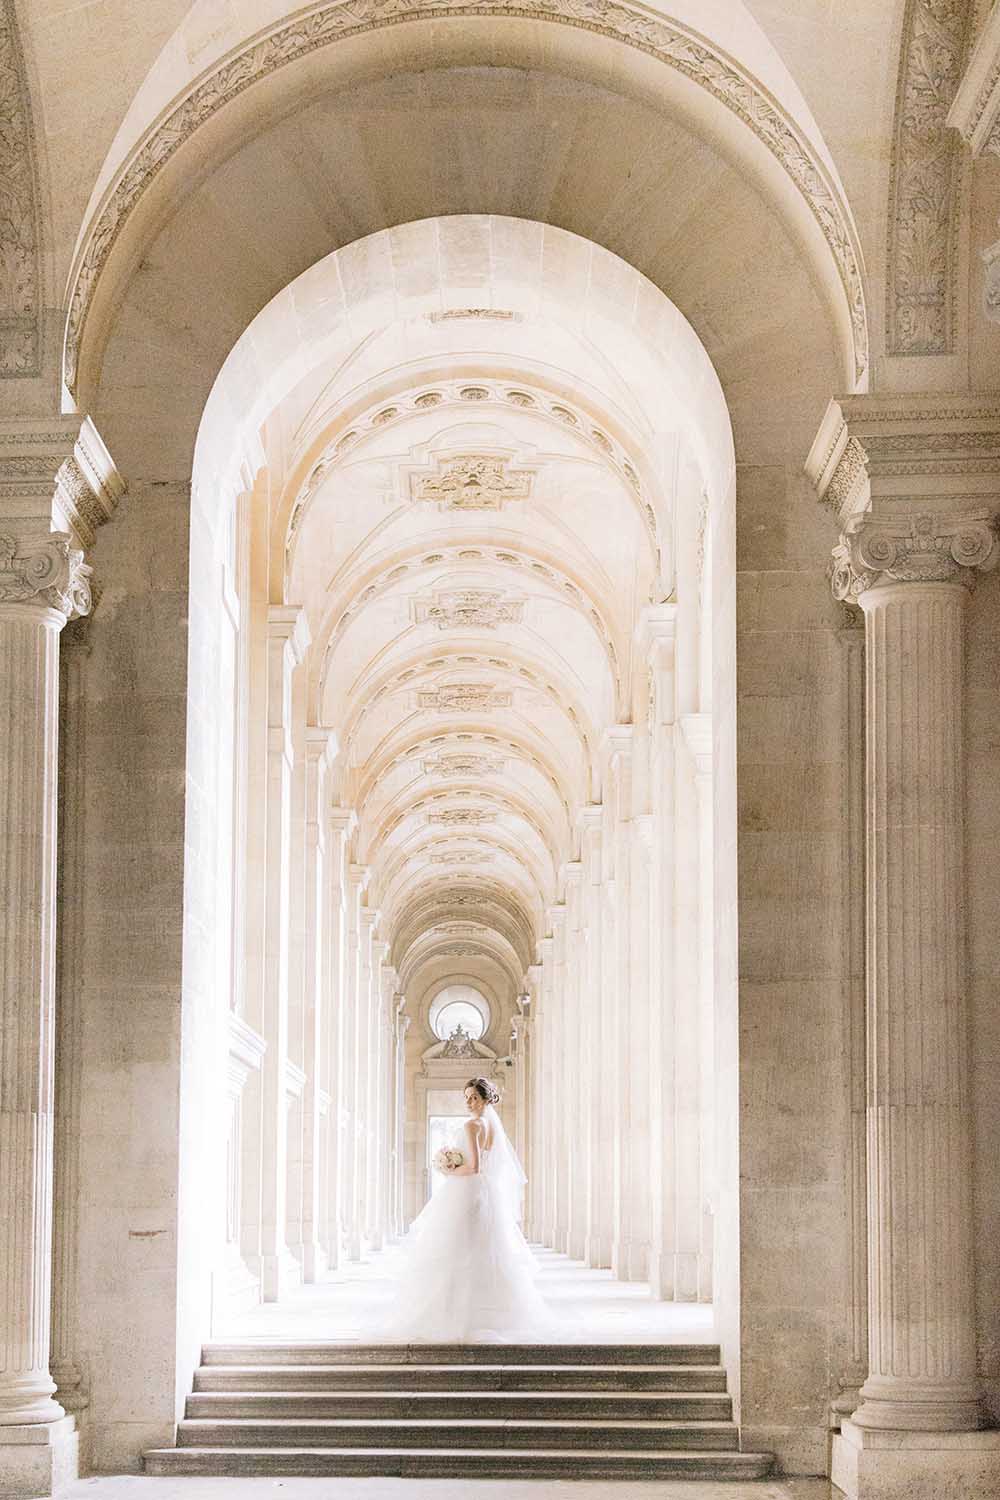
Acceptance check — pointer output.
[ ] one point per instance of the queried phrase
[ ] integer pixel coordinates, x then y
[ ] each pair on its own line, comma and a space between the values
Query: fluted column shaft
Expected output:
42, 582
921, 1318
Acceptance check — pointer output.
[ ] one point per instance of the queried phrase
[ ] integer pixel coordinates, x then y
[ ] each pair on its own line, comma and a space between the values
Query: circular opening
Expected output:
459, 1005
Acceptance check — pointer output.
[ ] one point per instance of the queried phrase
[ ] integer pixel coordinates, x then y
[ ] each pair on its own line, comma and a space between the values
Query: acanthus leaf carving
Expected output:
926, 176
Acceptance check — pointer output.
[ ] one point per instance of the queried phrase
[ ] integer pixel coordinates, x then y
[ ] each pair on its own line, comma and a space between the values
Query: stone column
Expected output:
341, 822
287, 640
911, 579
618, 751
590, 1144
321, 748
43, 583
546, 1146
533, 1155
363, 1039
351, 1108
697, 730
401, 1025
558, 1121
657, 635
913, 480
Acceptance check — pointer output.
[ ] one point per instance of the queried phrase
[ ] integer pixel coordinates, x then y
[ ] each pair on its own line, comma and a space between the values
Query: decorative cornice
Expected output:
631, 24
921, 286
57, 472
975, 112
21, 283
915, 452
920, 549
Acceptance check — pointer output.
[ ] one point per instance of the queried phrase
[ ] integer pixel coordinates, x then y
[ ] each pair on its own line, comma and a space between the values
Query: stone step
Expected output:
492, 1463
246, 1354
547, 1406
441, 1377
469, 1434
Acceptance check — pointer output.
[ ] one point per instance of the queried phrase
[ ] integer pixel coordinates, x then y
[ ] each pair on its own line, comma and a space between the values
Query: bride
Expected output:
467, 1274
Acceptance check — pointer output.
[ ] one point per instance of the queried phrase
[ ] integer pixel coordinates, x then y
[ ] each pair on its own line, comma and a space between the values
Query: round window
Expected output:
459, 1005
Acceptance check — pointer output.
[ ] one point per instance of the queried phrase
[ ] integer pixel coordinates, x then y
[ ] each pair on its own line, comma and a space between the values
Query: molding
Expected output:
288, 623
975, 111
20, 220
910, 453
918, 549
56, 472
925, 180
295, 1080
631, 24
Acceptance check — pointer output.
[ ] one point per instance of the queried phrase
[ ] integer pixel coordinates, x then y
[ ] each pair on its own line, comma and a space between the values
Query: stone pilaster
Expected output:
697, 731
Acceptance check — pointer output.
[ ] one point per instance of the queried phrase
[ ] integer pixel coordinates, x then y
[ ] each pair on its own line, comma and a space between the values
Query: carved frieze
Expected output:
468, 609
472, 481
464, 697
926, 179
45, 570
20, 271
654, 34
462, 817
459, 764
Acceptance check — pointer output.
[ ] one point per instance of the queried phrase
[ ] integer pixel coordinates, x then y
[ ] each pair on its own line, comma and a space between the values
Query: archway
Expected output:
761, 294
467, 575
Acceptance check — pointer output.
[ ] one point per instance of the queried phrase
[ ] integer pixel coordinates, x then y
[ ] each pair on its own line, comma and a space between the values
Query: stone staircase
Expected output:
530, 1411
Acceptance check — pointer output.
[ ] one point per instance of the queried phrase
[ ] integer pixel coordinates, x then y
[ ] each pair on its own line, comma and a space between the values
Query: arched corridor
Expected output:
499, 513
466, 621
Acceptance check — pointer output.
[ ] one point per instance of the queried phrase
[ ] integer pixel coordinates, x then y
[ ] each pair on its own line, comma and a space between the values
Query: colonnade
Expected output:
320, 1151
618, 1122
617, 1018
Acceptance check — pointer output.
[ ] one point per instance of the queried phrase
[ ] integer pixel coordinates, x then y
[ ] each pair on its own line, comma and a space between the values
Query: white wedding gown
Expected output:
464, 1272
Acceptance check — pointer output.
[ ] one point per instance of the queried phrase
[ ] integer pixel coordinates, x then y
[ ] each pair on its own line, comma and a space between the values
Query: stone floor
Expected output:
591, 1305
130, 1487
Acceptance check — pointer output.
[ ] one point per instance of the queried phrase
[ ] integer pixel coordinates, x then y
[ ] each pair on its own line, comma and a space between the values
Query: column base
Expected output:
38, 1459
874, 1464
278, 1275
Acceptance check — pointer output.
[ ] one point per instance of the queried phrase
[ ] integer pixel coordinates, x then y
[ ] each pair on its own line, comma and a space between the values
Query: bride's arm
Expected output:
471, 1166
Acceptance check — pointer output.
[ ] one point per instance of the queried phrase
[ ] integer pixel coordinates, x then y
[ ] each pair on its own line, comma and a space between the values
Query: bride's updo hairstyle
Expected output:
485, 1090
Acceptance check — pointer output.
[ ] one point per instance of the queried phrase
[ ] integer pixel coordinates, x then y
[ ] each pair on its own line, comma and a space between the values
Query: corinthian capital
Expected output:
46, 570
917, 549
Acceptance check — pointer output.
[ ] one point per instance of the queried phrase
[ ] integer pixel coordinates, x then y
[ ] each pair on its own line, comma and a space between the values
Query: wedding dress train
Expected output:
464, 1271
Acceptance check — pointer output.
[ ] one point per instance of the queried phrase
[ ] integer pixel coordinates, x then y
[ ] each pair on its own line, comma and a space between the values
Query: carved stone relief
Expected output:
474, 481
467, 609
464, 697
20, 271
463, 765
462, 817
926, 180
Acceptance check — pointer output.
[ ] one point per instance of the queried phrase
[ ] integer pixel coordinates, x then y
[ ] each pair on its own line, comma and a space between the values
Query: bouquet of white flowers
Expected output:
447, 1159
